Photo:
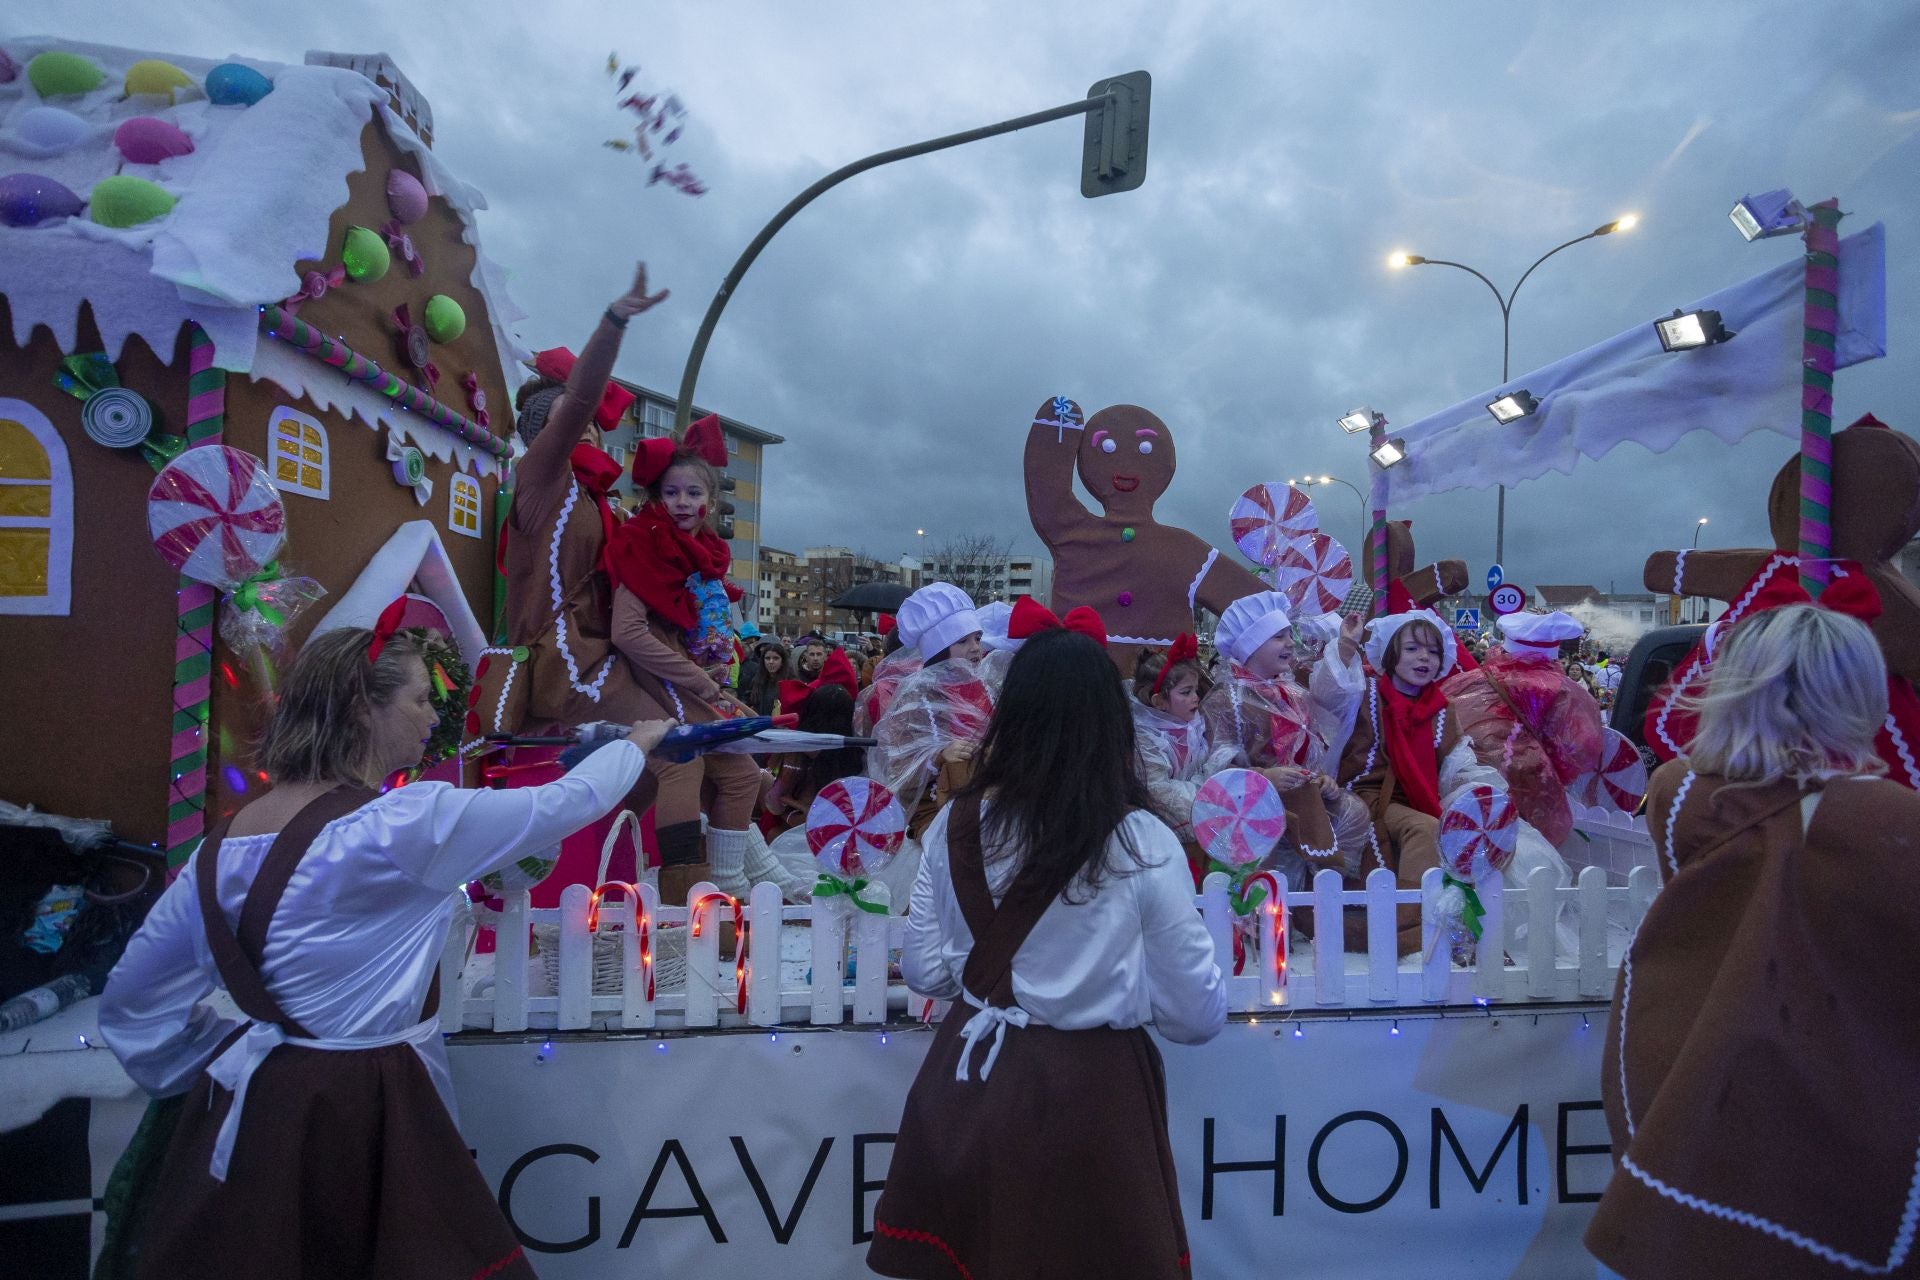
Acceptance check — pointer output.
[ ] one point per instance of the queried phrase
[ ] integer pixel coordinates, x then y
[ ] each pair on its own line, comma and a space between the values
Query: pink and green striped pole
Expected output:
193, 631
1377, 534
1822, 320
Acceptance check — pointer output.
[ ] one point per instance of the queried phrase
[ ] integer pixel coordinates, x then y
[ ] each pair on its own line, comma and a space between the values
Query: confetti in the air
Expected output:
662, 118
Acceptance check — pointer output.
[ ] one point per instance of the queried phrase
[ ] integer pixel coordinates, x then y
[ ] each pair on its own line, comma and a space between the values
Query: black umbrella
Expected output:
871, 597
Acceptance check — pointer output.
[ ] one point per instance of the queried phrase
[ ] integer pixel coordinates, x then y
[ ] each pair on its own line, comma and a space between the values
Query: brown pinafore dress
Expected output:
1054, 1165
347, 1163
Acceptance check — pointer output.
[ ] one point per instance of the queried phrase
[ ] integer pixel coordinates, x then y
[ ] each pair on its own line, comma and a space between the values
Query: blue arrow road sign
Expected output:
1495, 576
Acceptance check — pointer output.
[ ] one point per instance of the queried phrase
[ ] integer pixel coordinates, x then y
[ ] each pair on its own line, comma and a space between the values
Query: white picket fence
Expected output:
1281, 971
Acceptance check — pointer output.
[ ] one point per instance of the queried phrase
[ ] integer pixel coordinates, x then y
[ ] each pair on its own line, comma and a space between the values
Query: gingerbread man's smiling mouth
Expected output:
1125, 484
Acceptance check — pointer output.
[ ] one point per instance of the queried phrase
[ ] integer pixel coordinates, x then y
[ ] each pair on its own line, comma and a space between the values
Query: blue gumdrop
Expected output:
234, 84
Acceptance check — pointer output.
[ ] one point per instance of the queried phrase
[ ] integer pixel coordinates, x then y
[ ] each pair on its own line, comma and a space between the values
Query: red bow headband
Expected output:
1030, 618
1185, 648
835, 670
703, 440
557, 363
384, 628
884, 624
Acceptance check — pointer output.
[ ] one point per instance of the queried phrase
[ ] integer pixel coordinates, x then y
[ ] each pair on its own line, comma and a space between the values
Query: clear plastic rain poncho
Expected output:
1531, 849
873, 701
931, 710
1539, 729
1173, 761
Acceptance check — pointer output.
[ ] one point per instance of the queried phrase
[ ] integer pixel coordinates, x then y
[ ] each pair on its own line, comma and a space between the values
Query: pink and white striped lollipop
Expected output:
215, 516
854, 827
1238, 817
1269, 516
1620, 780
1318, 574
1477, 834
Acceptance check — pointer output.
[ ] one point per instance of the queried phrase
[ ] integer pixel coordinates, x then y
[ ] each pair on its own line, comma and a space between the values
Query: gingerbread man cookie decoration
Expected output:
1409, 588
1142, 577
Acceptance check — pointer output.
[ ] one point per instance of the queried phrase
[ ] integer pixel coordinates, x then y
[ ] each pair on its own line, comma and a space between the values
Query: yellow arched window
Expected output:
36, 513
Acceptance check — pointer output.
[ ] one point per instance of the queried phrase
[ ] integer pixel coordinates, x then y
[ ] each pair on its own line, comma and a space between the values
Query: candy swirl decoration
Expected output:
410, 469
854, 829
110, 414
1477, 834
1268, 518
416, 347
215, 516
1619, 780
1315, 574
1238, 818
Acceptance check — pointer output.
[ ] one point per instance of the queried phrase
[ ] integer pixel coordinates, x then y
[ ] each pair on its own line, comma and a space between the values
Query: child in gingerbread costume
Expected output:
669, 569
1144, 578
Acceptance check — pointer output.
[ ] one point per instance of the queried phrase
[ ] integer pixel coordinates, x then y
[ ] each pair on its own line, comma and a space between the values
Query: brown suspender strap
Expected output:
276, 869
997, 932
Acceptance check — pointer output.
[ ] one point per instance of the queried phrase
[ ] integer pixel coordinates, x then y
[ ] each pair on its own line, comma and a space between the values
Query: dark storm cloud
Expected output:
900, 332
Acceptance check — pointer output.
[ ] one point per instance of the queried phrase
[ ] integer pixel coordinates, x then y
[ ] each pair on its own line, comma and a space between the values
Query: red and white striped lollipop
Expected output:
854, 827
1269, 516
1620, 780
1319, 574
1477, 833
215, 516
1238, 817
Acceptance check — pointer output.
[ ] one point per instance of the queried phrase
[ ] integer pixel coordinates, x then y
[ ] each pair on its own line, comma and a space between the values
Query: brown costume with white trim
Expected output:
1762, 1068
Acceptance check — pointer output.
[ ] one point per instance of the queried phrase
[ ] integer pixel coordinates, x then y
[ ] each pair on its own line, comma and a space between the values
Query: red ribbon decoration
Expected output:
1030, 618
384, 628
1186, 648
739, 941
835, 670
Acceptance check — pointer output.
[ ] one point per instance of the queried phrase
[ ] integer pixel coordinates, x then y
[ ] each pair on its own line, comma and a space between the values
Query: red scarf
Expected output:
652, 557
595, 472
1406, 730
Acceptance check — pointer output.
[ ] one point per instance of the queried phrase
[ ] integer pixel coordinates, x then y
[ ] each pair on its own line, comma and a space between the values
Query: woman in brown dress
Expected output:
1057, 914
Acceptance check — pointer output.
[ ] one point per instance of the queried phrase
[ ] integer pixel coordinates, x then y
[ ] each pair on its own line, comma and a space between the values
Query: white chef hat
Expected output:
1381, 631
936, 617
1250, 622
1539, 634
993, 626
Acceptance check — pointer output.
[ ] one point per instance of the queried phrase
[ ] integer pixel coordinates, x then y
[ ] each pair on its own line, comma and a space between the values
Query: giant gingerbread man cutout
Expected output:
1876, 512
1143, 578
1407, 587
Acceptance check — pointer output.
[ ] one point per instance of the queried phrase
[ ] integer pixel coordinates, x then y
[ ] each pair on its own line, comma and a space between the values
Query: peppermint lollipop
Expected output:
1620, 780
854, 827
1318, 573
1238, 818
1269, 516
1477, 834
215, 516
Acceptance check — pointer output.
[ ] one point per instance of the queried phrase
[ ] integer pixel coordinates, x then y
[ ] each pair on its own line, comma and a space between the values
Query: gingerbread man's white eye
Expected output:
1146, 446
1108, 446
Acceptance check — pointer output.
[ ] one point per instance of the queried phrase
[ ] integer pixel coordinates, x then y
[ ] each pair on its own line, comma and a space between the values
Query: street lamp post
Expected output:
1307, 482
1624, 223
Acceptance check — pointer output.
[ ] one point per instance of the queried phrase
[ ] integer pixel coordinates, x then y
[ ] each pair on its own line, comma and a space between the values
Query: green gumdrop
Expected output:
55, 74
123, 201
364, 254
1126, 534
445, 319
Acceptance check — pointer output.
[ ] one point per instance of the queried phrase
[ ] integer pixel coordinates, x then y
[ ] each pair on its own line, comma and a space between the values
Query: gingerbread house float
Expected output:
196, 254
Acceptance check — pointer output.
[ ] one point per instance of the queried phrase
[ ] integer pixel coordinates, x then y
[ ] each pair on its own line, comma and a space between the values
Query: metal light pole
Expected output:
1114, 159
1397, 260
1309, 481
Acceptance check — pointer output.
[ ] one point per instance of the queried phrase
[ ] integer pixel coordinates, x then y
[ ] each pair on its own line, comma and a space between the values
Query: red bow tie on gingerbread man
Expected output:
1030, 618
836, 670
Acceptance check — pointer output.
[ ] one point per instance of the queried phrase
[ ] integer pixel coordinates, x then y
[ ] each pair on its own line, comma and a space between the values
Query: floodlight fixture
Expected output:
1358, 420
1685, 330
1513, 407
1388, 452
1771, 213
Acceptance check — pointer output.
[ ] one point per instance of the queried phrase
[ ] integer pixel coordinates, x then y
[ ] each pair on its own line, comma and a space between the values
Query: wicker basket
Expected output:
669, 946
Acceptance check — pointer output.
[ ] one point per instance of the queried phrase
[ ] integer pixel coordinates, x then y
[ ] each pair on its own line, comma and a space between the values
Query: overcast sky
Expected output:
901, 331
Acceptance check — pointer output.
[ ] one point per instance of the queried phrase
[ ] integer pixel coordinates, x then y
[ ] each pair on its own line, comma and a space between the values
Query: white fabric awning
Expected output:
1628, 389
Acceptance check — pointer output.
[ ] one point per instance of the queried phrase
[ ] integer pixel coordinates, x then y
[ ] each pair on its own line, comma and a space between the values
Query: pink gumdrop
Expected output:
145, 140
406, 197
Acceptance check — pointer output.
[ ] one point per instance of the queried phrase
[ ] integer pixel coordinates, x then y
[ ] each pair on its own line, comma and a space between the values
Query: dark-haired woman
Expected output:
1057, 914
316, 1137
762, 692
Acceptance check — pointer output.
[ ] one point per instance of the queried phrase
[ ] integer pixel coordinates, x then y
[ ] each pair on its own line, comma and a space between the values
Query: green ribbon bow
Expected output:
1472, 913
833, 886
82, 375
1239, 896
246, 596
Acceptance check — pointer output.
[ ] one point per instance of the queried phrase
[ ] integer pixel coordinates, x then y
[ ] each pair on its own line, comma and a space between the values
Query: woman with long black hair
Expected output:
1057, 913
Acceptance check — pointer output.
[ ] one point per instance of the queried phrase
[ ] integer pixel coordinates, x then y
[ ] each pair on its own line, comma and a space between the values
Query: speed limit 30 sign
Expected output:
1506, 598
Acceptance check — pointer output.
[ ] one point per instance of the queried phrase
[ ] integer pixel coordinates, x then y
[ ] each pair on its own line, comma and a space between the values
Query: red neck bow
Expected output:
384, 628
557, 363
703, 440
836, 670
1185, 649
1030, 618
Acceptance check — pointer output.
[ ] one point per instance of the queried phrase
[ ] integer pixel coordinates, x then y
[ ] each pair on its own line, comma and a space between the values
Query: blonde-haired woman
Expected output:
1762, 1070
316, 1136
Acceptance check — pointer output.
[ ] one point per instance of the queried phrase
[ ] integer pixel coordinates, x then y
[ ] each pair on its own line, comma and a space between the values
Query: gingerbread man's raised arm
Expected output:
1717, 575
1053, 445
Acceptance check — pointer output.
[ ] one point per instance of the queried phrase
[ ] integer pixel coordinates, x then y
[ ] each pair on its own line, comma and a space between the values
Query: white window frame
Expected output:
58, 600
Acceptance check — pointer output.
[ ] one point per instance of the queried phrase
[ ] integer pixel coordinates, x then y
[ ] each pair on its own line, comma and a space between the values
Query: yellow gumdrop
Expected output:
152, 77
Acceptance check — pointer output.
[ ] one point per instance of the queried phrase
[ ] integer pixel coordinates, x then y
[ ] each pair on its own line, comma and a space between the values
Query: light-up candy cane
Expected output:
740, 970
641, 922
1276, 943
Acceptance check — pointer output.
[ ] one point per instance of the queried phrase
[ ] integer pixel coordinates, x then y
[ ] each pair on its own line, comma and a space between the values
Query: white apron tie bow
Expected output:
233, 1070
991, 1018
